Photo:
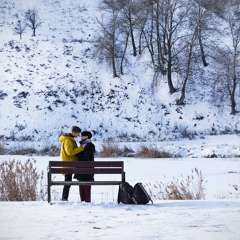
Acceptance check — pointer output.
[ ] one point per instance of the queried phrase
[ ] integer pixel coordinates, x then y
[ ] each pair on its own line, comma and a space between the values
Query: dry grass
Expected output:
2, 149
152, 152
191, 188
127, 152
110, 149
24, 151
19, 181
50, 150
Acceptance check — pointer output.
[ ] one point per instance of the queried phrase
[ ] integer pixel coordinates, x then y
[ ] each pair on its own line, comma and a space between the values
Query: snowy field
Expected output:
216, 217
167, 220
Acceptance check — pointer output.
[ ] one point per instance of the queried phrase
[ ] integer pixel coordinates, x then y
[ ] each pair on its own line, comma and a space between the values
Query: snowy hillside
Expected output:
53, 81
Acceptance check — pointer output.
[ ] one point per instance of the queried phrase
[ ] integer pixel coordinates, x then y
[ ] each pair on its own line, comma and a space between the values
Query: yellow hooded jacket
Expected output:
69, 148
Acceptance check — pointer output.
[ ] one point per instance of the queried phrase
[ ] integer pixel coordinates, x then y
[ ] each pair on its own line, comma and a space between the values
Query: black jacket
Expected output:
86, 155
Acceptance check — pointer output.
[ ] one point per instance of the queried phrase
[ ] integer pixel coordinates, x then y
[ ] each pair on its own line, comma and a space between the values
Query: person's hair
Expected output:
76, 129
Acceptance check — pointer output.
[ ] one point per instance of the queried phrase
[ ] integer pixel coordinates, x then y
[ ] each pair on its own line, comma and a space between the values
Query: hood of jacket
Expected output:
65, 136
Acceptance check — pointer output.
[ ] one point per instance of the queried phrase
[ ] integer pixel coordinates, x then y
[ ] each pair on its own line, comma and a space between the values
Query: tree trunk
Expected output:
159, 42
205, 64
114, 63
233, 102
125, 49
132, 36
172, 89
114, 67
140, 43
182, 98
150, 47
233, 105
180, 101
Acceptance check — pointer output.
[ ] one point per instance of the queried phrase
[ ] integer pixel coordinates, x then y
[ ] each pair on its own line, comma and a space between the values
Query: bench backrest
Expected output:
81, 167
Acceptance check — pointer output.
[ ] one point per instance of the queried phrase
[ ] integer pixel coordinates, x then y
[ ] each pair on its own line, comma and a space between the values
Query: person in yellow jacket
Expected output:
68, 153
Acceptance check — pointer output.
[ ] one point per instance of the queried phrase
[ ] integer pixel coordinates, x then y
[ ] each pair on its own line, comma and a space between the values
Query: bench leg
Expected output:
49, 187
124, 177
49, 194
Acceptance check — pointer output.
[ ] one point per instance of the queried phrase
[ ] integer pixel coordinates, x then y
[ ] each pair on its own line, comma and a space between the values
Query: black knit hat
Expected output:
87, 133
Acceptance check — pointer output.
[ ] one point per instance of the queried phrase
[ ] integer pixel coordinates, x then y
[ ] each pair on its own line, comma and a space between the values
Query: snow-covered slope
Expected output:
53, 81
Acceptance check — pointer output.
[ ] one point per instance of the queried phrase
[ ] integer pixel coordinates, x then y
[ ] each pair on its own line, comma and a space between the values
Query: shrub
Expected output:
24, 151
2, 149
191, 188
152, 152
127, 152
186, 133
110, 150
50, 150
19, 181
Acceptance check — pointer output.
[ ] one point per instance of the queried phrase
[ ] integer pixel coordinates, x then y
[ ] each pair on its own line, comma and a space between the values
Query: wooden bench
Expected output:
96, 167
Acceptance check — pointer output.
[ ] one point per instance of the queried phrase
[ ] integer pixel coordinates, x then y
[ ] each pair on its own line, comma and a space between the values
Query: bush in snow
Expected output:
19, 181
191, 188
152, 152
110, 150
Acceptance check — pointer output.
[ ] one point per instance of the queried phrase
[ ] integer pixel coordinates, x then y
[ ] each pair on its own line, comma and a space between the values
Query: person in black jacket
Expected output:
86, 155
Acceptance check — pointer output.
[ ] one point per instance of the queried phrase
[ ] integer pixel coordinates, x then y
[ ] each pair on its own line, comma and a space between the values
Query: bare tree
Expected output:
32, 20
200, 15
147, 30
228, 60
162, 34
128, 10
176, 13
141, 35
153, 36
124, 52
186, 67
19, 28
207, 26
108, 41
232, 56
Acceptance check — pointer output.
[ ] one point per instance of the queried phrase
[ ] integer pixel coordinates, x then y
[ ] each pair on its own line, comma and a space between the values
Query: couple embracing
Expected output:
70, 152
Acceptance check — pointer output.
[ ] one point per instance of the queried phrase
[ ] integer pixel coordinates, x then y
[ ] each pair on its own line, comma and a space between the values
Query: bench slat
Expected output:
86, 183
53, 164
87, 170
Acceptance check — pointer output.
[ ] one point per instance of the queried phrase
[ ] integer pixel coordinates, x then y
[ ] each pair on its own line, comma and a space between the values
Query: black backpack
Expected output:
140, 195
125, 192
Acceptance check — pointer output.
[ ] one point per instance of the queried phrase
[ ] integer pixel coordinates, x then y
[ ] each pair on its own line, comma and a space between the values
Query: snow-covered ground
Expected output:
167, 220
215, 217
